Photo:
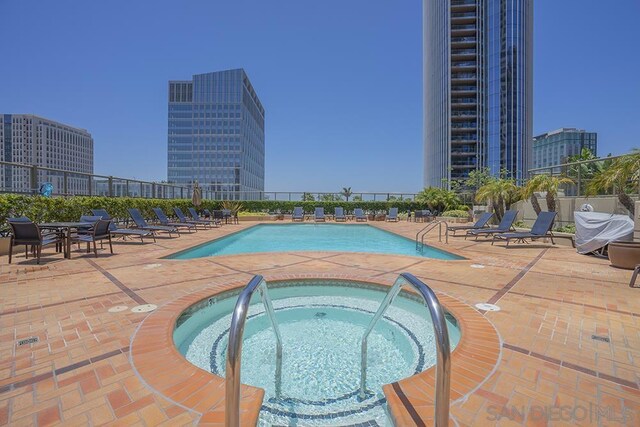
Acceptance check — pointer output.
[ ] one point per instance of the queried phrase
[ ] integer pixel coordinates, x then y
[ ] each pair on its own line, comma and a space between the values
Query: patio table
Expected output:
65, 228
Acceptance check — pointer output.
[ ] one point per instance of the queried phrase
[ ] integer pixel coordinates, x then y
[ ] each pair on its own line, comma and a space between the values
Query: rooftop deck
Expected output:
569, 330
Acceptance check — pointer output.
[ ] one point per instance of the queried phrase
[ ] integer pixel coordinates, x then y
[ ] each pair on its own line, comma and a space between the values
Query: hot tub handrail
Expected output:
234, 350
443, 364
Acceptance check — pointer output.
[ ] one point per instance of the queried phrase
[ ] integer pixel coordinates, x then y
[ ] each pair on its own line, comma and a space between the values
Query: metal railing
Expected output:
443, 349
234, 350
20, 178
420, 235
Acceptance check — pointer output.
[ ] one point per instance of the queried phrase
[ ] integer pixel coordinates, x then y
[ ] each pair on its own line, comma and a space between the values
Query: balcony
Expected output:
463, 64
464, 125
463, 52
467, 137
455, 3
463, 89
463, 27
463, 114
459, 101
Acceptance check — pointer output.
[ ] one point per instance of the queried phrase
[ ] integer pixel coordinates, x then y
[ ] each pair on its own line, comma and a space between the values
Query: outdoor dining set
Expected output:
101, 227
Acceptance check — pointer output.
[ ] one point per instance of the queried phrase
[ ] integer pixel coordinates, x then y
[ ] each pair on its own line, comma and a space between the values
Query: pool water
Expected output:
312, 237
322, 327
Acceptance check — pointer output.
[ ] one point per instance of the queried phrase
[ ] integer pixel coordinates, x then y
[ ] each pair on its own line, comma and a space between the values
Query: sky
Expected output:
341, 81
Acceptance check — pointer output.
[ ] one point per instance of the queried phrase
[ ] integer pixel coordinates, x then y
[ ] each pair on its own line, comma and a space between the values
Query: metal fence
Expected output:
581, 173
27, 179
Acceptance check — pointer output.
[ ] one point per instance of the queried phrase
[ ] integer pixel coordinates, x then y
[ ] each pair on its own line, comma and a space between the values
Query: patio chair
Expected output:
505, 226
27, 233
140, 222
393, 215
339, 214
319, 215
541, 228
298, 214
482, 222
182, 218
122, 232
196, 217
164, 220
360, 216
98, 232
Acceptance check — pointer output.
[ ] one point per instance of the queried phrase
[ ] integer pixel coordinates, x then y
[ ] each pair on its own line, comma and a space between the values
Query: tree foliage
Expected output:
622, 176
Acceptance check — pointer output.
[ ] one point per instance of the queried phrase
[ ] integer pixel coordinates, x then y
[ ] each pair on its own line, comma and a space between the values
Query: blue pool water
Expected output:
312, 237
322, 323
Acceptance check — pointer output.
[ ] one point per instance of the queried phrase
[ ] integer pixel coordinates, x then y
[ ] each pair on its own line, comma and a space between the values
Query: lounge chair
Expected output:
196, 217
140, 222
541, 228
298, 214
505, 226
164, 220
360, 216
122, 232
393, 215
99, 231
182, 218
319, 215
27, 233
339, 214
482, 222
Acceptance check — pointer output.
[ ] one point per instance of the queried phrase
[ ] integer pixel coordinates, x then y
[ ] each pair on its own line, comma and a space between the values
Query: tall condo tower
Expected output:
478, 88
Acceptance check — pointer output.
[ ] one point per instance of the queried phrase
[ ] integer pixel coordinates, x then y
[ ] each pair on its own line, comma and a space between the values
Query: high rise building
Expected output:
36, 141
478, 84
553, 148
216, 135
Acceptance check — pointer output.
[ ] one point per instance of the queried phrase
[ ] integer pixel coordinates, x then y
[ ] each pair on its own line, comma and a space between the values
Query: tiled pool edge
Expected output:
153, 349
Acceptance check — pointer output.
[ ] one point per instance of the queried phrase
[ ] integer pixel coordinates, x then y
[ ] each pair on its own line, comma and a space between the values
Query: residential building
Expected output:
478, 88
216, 135
36, 141
553, 148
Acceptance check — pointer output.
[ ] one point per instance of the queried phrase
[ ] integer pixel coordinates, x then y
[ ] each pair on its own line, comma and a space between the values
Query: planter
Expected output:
454, 220
4, 245
624, 254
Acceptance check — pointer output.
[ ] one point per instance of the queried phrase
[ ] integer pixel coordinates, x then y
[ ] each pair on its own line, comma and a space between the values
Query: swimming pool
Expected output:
322, 323
312, 237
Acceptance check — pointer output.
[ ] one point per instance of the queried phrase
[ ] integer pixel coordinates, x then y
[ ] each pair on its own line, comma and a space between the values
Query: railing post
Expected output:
153, 190
110, 186
33, 181
90, 183
65, 183
182, 192
579, 180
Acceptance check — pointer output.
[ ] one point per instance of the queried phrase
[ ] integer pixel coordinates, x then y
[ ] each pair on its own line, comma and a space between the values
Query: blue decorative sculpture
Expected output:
46, 189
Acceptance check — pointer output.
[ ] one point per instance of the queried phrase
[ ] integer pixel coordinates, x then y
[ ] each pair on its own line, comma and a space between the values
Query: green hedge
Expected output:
45, 209
458, 213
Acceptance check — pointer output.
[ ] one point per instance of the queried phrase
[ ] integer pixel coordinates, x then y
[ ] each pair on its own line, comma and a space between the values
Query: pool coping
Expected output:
194, 389
437, 247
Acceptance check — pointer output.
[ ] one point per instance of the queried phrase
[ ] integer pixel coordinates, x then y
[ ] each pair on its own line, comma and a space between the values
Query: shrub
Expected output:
47, 209
456, 214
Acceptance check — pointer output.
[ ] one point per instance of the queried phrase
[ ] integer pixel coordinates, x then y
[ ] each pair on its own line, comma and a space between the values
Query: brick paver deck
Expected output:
568, 331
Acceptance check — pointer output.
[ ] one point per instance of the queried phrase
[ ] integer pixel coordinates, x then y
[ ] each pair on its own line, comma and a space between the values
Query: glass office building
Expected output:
216, 135
478, 88
554, 148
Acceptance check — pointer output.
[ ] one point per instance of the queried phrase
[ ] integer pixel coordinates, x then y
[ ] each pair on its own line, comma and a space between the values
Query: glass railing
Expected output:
463, 27
463, 52
463, 39
463, 100
462, 125
463, 64
463, 15
464, 113
463, 2
463, 88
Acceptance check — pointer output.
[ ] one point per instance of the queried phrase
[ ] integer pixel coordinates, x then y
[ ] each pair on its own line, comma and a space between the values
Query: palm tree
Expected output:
546, 183
622, 175
346, 192
500, 193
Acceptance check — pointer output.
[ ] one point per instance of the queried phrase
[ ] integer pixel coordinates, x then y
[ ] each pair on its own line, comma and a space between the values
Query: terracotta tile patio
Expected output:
567, 341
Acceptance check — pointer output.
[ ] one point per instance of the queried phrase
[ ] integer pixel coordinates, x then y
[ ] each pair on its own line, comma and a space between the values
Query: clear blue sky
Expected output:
341, 81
